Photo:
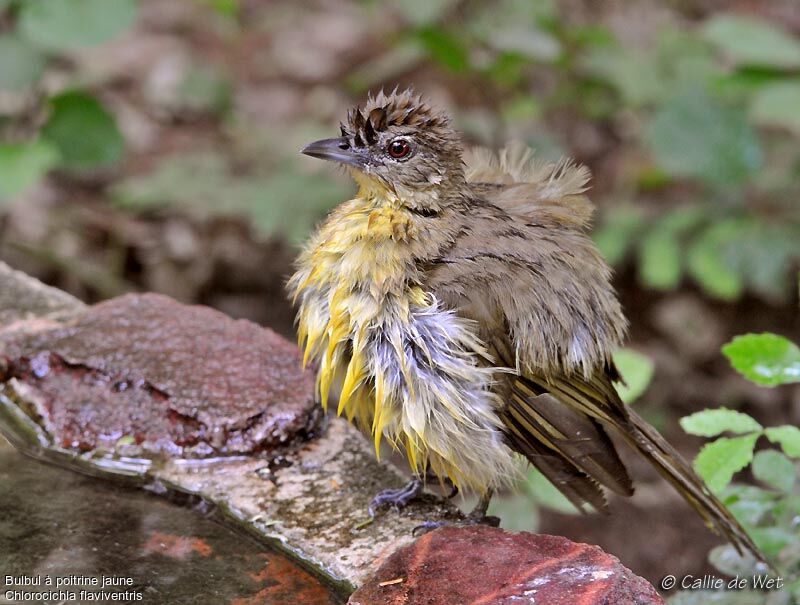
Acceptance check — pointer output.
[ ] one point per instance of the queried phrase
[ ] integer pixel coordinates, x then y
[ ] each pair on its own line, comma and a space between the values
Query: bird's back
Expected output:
541, 294
523, 266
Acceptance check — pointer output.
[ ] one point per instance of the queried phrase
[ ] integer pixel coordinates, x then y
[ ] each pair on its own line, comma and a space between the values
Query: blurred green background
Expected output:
153, 145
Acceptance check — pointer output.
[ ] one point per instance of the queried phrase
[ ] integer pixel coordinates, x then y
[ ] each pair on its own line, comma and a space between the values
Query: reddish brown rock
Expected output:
146, 372
487, 566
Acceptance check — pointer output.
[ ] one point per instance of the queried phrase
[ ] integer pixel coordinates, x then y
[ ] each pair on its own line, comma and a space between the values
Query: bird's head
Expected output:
397, 142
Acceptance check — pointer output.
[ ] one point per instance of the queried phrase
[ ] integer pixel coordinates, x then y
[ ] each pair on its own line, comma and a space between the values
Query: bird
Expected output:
459, 309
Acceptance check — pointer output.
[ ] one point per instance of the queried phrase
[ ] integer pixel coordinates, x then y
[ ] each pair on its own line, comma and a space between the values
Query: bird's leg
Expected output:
397, 498
477, 516
444, 482
453, 492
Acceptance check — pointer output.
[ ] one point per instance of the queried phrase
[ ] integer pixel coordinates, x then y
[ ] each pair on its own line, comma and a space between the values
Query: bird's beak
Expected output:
335, 150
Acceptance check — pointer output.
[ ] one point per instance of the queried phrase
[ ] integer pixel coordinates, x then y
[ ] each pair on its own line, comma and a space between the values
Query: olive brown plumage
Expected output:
460, 311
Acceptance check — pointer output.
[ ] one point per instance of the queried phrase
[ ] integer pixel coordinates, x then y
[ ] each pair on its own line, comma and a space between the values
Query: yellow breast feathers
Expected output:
407, 369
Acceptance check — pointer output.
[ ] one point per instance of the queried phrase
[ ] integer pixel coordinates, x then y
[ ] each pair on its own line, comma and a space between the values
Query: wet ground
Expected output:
58, 524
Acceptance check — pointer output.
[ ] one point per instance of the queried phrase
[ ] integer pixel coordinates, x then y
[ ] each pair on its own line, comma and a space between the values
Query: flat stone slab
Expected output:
144, 374
185, 400
487, 566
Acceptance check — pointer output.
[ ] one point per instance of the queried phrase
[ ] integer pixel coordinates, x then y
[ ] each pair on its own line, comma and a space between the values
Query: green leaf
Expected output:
516, 27
70, 24
205, 89
774, 469
787, 508
777, 105
708, 264
617, 231
444, 48
527, 41
682, 219
227, 8
772, 540
748, 503
766, 359
636, 76
523, 108
22, 165
710, 423
637, 372
764, 255
788, 437
710, 271
546, 494
752, 41
694, 136
719, 460
423, 12
84, 132
742, 85
686, 59
660, 260
21, 64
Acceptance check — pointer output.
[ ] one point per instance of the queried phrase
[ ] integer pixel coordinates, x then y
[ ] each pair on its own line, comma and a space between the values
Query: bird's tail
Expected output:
677, 471
596, 397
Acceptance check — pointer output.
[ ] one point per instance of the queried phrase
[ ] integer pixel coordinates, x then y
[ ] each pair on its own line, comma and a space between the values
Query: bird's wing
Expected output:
543, 283
541, 296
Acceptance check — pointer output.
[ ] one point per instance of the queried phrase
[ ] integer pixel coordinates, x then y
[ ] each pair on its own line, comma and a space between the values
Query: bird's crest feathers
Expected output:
382, 111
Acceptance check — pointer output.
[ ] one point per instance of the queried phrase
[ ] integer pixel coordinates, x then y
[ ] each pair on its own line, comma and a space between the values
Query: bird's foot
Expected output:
477, 516
396, 498
469, 520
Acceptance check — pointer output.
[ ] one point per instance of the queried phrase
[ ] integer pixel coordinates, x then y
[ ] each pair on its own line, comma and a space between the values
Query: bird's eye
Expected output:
399, 148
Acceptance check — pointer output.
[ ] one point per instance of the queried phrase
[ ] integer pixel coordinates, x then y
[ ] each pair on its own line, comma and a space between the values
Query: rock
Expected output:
487, 566
143, 374
309, 499
22, 297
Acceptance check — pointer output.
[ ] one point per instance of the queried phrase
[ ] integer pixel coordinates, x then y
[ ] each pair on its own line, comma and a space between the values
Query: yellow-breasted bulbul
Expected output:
461, 312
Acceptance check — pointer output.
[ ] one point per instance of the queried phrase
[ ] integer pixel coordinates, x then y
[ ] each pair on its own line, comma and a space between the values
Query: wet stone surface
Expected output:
488, 566
144, 375
56, 523
97, 390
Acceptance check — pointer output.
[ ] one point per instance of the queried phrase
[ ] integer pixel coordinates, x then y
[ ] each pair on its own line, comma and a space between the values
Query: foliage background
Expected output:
152, 145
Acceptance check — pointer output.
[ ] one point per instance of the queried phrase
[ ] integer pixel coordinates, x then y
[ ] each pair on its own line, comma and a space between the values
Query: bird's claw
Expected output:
425, 527
396, 498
